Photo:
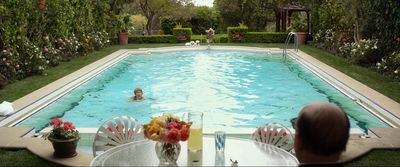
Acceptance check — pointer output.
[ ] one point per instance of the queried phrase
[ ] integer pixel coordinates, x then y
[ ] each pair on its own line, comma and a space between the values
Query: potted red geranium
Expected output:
64, 138
42, 4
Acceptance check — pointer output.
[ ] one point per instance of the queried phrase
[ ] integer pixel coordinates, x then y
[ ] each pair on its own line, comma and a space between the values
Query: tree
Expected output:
204, 18
380, 19
230, 11
138, 22
252, 12
118, 5
153, 9
167, 24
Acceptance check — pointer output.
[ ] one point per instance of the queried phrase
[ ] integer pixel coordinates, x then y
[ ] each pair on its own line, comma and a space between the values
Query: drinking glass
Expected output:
219, 137
219, 159
195, 142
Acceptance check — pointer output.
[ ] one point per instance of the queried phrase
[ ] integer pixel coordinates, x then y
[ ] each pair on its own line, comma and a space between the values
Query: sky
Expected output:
204, 2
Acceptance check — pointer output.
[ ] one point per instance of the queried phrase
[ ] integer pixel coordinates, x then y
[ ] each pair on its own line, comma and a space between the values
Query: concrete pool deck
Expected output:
16, 138
356, 147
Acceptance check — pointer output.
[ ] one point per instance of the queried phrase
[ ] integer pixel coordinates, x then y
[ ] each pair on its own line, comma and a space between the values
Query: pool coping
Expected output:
383, 101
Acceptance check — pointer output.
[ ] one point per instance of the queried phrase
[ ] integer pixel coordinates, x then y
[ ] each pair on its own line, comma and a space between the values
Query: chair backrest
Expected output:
114, 132
274, 134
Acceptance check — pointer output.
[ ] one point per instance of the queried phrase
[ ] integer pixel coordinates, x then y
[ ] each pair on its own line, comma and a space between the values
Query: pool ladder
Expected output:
287, 41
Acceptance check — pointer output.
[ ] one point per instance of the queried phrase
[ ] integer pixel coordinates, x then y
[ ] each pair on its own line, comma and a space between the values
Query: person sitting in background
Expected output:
322, 131
138, 95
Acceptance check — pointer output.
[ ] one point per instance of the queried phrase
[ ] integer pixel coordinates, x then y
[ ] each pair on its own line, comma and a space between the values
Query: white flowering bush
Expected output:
361, 52
85, 43
9, 65
68, 47
319, 37
31, 59
326, 40
100, 40
51, 54
33, 39
19, 63
390, 65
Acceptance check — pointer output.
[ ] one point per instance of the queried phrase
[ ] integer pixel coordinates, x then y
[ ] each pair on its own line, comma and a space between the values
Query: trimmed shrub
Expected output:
250, 37
265, 37
223, 39
218, 38
182, 34
152, 39
237, 34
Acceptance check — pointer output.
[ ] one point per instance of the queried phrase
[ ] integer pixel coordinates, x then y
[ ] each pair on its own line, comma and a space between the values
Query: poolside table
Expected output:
245, 151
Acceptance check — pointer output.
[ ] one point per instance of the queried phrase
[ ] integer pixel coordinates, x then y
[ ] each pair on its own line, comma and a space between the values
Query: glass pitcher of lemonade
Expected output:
195, 142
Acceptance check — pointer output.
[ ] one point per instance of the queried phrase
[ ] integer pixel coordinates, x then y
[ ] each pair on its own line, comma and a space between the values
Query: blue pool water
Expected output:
233, 89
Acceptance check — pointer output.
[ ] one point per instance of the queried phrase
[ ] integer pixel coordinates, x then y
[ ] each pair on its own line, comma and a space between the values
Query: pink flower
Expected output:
173, 136
172, 125
68, 126
56, 122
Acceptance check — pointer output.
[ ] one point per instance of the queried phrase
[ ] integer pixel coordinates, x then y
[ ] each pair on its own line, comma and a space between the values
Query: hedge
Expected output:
265, 37
218, 38
237, 34
153, 39
223, 40
186, 31
33, 39
249, 37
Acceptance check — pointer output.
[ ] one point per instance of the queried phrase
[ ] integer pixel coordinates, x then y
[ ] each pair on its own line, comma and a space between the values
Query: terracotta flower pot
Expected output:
301, 37
64, 148
123, 38
42, 4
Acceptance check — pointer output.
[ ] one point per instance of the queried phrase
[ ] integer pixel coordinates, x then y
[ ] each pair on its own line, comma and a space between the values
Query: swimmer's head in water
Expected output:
138, 92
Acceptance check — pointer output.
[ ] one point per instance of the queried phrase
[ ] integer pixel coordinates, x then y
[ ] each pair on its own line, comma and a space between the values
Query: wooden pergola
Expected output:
287, 12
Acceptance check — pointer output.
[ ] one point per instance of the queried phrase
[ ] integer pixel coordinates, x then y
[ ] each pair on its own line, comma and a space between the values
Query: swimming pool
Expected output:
234, 90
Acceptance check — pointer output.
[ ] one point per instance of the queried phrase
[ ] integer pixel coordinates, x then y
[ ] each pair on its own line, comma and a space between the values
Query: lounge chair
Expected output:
274, 134
116, 131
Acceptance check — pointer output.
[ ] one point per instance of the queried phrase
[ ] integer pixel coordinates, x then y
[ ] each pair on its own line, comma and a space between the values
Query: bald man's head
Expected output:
322, 128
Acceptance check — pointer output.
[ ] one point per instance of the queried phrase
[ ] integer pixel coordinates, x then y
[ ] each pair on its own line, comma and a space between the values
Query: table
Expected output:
246, 152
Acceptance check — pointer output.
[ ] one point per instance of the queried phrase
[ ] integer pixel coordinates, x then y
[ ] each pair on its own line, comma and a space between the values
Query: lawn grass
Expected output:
379, 157
22, 158
383, 84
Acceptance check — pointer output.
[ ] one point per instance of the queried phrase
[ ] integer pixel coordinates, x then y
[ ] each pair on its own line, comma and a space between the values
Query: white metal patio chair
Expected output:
274, 134
114, 132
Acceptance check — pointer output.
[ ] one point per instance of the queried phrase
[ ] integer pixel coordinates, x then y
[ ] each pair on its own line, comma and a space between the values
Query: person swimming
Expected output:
138, 95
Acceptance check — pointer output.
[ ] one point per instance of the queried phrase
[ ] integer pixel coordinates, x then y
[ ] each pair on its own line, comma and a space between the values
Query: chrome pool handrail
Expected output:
287, 41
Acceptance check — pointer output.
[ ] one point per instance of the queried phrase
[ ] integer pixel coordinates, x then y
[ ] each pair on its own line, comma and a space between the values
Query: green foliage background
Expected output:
32, 39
